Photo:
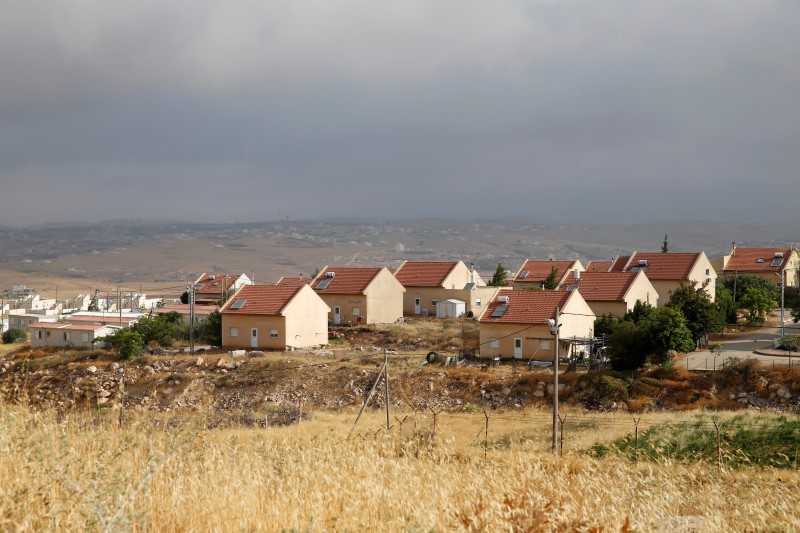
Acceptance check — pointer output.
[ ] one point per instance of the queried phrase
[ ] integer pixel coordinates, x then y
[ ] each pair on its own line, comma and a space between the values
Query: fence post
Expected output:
486, 435
561, 422
636, 439
719, 448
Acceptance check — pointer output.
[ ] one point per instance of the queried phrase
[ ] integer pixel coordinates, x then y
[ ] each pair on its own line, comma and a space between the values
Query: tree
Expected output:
794, 310
667, 331
641, 313
725, 307
627, 346
163, 329
742, 282
604, 325
14, 335
757, 302
665, 245
211, 331
551, 281
126, 341
93, 305
499, 277
696, 306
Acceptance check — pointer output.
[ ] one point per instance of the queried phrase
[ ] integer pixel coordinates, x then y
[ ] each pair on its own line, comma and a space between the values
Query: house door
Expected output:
337, 315
518, 348
254, 338
416, 306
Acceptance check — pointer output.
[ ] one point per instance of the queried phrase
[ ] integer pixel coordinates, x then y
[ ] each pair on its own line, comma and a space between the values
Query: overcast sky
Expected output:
246, 110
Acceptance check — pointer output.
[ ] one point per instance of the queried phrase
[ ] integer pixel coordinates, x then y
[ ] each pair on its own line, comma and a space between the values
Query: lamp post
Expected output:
554, 326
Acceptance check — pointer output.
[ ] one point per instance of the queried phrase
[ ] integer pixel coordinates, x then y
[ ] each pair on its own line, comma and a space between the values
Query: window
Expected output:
356, 311
708, 271
273, 333
434, 302
544, 345
234, 332
84, 337
478, 302
66, 335
494, 342
39, 334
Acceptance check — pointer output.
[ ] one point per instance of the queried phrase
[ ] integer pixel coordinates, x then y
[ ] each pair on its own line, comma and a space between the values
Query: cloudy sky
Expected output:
246, 110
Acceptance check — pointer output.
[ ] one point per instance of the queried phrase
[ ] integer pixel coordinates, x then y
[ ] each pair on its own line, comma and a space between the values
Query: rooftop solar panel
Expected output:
499, 311
238, 303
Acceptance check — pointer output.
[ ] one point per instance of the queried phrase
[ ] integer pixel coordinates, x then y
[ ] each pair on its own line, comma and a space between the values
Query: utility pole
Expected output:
783, 284
191, 318
386, 389
554, 327
119, 303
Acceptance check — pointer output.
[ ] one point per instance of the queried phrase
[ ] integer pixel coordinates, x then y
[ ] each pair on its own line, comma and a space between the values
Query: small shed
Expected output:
451, 309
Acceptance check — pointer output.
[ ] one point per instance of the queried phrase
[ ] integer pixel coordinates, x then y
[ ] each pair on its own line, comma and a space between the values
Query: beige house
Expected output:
358, 295
612, 293
667, 271
124, 320
771, 264
427, 283
515, 324
269, 317
532, 274
65, 335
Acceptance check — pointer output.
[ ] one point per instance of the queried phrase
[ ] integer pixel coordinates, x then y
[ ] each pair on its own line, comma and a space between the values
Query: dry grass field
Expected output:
84, 471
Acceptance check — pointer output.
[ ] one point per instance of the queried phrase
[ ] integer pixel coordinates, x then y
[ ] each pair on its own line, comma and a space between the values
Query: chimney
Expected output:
472, 274
733, 249
577, 275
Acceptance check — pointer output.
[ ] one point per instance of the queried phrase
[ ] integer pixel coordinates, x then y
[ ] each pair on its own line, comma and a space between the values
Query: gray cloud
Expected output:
249, 109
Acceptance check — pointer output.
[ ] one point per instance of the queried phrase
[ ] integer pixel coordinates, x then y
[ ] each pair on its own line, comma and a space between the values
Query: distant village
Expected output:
515, 317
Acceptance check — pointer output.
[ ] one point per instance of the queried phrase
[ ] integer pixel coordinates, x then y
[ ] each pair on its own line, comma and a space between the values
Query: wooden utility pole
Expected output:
555, 329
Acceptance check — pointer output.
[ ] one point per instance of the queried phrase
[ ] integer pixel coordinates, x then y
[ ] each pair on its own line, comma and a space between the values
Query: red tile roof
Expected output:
539, 270
214, 283
601, 286
669, 266
746, 260
347, 280
424, 273
599, 266
260, 300
526, 307
618, 264
293, 282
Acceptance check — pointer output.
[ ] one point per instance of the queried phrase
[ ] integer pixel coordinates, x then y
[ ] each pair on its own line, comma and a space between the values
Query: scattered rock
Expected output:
199, 362
114, 366
92, 369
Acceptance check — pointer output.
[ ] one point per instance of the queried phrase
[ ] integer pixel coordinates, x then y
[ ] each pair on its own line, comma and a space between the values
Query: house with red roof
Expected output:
67, 335
612, 293
515, 324
209, 289
293, 281
533, 273
271, 317
201, 312
599, 266
771, 264
360, 295
667, 271
427, 283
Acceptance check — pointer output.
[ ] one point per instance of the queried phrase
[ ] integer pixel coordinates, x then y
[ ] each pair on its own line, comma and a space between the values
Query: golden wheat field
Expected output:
87, 471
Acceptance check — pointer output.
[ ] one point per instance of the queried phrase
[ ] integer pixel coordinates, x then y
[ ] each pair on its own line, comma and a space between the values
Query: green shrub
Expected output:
603, 388
14, 335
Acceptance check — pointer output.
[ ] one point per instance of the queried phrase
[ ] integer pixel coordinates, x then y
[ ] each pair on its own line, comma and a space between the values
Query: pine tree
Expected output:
499, 277
551, 281
665, 245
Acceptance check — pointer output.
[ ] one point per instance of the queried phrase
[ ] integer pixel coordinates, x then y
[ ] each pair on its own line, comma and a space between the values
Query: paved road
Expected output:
743, 347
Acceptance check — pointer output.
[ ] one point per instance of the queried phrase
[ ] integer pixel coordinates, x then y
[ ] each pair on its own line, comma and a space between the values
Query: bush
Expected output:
603, 387
14, 335
627, 346
127, 342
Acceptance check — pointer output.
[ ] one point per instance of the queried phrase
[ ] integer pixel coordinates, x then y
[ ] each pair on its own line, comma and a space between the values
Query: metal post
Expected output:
783, 283
555, 382
191, 318
386, 389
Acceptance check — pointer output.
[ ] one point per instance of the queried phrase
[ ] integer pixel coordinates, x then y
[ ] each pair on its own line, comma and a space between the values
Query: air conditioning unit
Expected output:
503, 299
330, 274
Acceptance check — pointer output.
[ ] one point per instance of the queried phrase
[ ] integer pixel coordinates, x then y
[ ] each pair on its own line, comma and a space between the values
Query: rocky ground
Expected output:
288, 385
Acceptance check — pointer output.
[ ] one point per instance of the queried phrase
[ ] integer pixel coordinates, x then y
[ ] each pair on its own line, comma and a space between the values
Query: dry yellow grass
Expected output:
81, 471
